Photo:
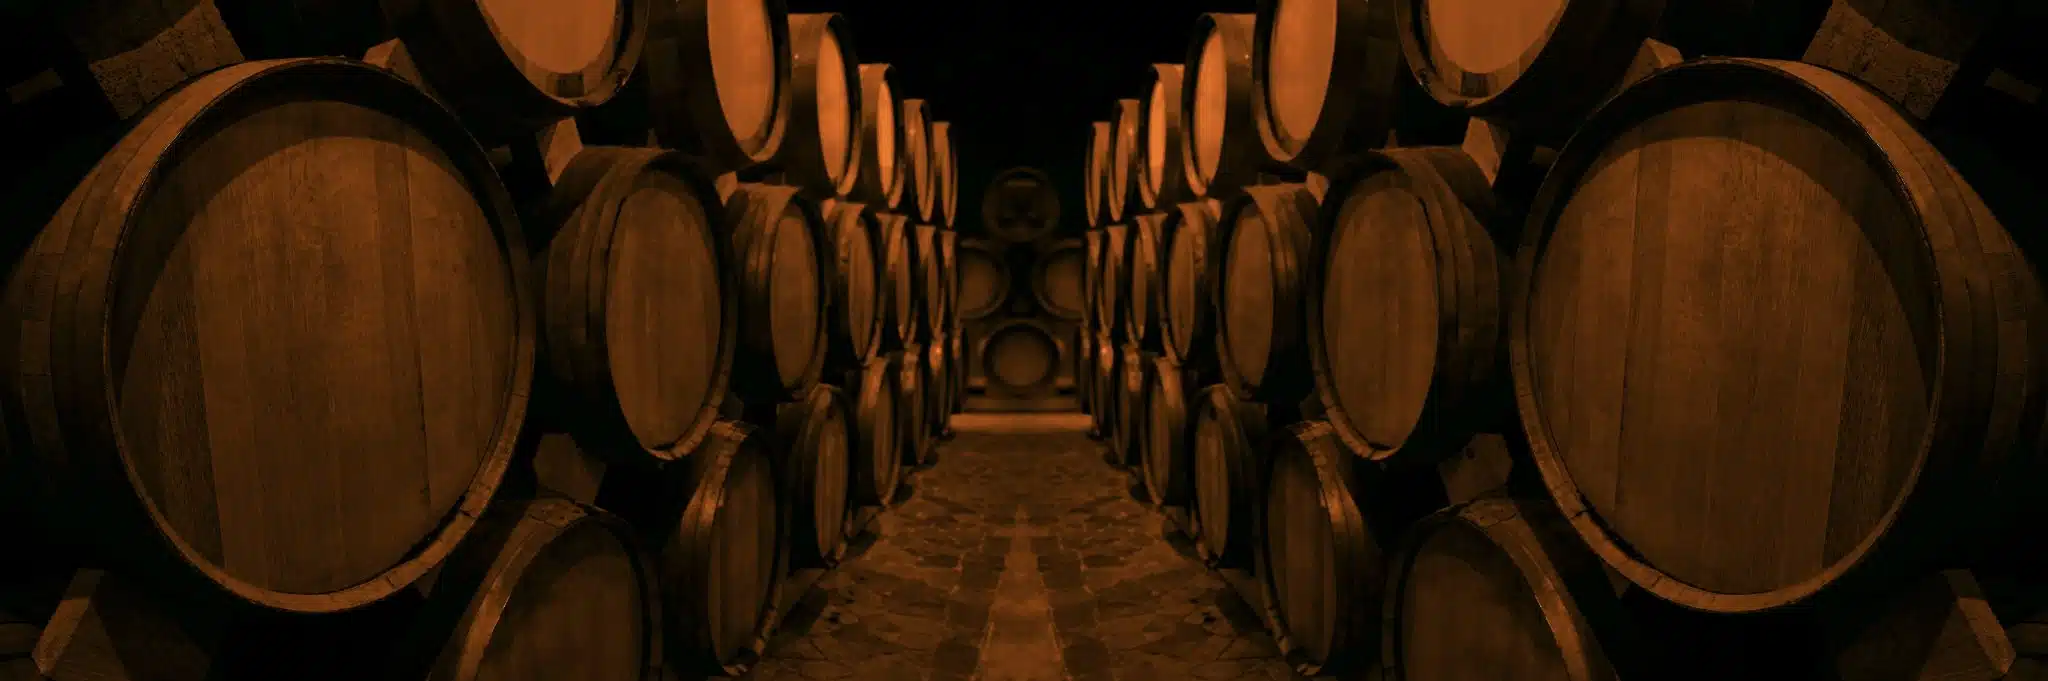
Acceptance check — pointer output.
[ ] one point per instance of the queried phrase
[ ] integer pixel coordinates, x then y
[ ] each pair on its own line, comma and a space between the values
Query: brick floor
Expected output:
1021, 557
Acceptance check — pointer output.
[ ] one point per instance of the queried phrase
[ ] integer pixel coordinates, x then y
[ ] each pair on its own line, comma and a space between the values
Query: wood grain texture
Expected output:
820, 151
876, 465
256, 362
776, 238
1143, 265
722, 558
510, 66
1192, 264
900, 302
1162, 175
1220, 142
1321, 565
1261, 295
1539, 65
718, 79
879, 182
1229, 477
1326, 78
855, 277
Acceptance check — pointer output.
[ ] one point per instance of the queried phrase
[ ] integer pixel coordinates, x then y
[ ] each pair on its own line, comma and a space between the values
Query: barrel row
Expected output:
571, 354
1513, 320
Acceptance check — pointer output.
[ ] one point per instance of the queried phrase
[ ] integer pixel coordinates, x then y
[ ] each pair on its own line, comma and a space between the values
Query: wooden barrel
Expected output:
1125, 157
913, 432
819, 152
1220, 138
777, 238
937, 374
513, 67
1193, 261
550, 584
1091, 242
403, 410
945, 173
957, 353
1229, 476
922, 194
1169, 435
1106, 382
899, 280
1132, 386
814, 465
1021, 358
1405, 330
1327, 77
1321, 566
1142, 261
1261, 293
879, 182
949, 262
984, 279
1500, 584
1538, 65
855, 332
931, 288
1056, 278
643, 340
1162, 177
1101, 139
876, 465
1112, 284
1873, 367
722, 559
718, 79
1021, 206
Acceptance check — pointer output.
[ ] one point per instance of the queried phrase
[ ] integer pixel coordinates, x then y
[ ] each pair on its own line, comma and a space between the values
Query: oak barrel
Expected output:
949, 265
722, 555
957, 353
1193, 263
1021, 358
1262, 292
1220, 139
1321, 566
1229, 476
1084, 378
922, 192
1112, 283
1106, 380
1125, 156
1500, 584
931, 281
899, 280
1091, 261
1142, 265
945, 173
1132, 386
876, 466
984, 279
1021, 205
718, 79
1328, 77
1094, 180
913, 432
636, 302
361, 419
776, 237
820, 151
1877, 368
854, 275
880, 180
1162, 177
813, 460
938, 367
1404, 330
513, 67
550, 584
1168, 435
1056, 278
1538, 65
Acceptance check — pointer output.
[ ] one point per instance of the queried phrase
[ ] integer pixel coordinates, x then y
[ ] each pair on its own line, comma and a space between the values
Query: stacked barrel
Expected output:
1021, 298
1490, 342
408, 346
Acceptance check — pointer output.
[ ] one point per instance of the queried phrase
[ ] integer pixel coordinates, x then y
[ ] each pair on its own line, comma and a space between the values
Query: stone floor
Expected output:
1021, 557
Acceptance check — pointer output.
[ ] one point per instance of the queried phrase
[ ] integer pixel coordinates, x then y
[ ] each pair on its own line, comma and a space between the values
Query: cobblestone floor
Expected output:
1021, 557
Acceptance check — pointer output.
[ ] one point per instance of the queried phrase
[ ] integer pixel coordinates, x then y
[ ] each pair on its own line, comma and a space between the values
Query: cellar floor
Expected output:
1020, 556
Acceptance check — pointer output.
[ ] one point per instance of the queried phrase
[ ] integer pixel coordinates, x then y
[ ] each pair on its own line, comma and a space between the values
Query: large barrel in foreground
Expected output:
204, 411
1878, 367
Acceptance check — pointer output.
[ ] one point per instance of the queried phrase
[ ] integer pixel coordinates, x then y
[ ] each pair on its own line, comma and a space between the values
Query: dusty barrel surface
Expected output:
1142, 266
820, 152
1540, 65
1126, 147
1162, 176
813, 464
1405, 330
899, 280
984, 279
1112, 284
1133, 386
1169, 435
722, 555
1262, 293
552, 584
1021, 358
783, 291
1101, 139
718, 79
1192, 264
913, 432
509, 67
1229, 476
876, 465
854, 275
195, 390
1321, 564
1500, 584
643, 339
1328, 77
1877, 365
880, 180
1056, 278
1220, 139
921, 192
1021, 205
945, 173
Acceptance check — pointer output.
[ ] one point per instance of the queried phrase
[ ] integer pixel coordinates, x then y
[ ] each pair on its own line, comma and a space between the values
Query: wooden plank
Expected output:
1908, 49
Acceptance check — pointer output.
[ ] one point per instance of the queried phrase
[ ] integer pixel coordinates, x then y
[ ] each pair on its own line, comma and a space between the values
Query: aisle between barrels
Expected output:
1021, 556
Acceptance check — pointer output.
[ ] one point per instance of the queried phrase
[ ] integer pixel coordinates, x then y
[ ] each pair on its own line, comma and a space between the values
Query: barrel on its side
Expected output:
1094, 181
898, 260
1327, 78
913, 428
938, 367
1537, 65
1220, 139
1229, 477
1105, 382
820, 152
1162, 176
1125, 151
922, 192
879, 182
1133, 386
777, 238
722, 556
854, 333
813, 465
1169, 435
984, 279
945, 173
1112, 284
718, 79
1262, 297
405, 409
1321, 561
1021, 358
931, 282
1142, 264
511, 68
1021, 205
876, 465
1056, 278
1192, 264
